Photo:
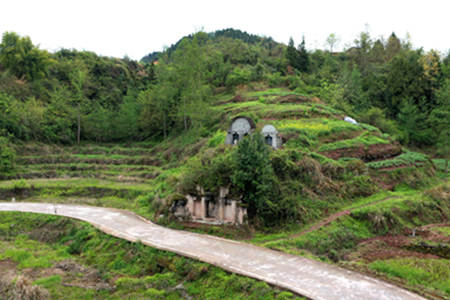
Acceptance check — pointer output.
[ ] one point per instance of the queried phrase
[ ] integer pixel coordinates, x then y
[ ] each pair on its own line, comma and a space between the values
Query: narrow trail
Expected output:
335, 216
310, 278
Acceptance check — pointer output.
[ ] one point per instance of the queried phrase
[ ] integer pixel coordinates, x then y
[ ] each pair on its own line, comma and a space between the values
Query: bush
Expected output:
7, 156
361, 186
238, 76
211, 170
376, 117
275, 79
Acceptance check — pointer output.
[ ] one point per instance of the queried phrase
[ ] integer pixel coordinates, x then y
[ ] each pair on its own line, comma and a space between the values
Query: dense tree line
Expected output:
72, 95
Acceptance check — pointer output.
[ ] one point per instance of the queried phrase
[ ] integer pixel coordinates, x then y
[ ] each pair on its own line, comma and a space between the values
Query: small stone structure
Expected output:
350, 120
240, 127
205, 208
271, 136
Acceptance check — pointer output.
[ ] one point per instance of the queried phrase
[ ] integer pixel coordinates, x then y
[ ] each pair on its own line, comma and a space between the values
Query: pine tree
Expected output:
303, 57
292, 54
253, 175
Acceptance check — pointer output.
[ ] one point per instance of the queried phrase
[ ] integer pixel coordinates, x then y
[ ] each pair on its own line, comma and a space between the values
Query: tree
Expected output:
414, 125
292, 54
377, 53
22, 58
78, 80
431, 63
60, 117
158, 108
363, 45
253, 176
353, 91
393, 46
7, 156
190, 73
439, 120
303, 57
332, 41
404, 80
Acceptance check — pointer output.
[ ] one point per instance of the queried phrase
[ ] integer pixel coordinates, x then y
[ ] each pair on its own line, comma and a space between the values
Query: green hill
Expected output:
349, 194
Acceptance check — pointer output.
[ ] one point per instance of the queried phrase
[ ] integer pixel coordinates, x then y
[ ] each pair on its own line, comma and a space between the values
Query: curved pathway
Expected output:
304, 276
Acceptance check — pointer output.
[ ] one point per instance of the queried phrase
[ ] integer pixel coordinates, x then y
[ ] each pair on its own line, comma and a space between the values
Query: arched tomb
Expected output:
271, 136
240, 127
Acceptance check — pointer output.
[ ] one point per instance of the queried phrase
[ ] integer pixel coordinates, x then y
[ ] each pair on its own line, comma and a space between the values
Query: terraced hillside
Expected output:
119, 177
307, 124
332, 173
125, 175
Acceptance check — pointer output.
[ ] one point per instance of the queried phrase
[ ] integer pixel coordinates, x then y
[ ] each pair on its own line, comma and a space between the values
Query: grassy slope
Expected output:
137, 176
101, 266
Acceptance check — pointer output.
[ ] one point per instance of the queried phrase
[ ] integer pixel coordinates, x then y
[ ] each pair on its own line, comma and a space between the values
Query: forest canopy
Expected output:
72, 95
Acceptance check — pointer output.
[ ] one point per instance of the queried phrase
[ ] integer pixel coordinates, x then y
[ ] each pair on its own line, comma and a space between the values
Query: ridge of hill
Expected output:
214, 36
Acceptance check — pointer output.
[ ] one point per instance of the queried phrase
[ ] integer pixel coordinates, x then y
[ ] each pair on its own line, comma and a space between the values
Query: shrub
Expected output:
211, 170
361, 186
275, 79
24, 289
238, 76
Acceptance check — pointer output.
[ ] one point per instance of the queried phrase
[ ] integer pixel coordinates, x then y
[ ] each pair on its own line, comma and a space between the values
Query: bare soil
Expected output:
367, 154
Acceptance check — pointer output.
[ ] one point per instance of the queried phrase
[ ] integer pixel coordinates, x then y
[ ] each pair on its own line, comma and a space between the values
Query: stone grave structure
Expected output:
240, 127
271, 136
211, 209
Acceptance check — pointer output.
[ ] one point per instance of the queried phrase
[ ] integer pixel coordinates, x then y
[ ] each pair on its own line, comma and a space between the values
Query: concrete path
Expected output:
304, 276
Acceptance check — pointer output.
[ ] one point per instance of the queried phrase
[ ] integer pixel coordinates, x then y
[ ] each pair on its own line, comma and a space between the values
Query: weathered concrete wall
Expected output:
210, 209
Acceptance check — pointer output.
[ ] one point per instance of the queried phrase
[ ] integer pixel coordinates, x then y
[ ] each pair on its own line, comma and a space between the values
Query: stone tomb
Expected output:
271, 136
206, 208
240, 127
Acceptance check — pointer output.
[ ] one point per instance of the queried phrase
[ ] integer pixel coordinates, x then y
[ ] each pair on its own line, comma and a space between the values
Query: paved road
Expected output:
304, 276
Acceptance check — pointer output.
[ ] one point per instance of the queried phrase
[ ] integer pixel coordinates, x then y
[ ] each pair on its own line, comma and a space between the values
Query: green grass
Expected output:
263, 110
270, 92
75, 183
363, 140
433, 273
405, 159
137, 271
445, 231
31, 254
318, 126
87, 166
390, 213
440, 164
87, 158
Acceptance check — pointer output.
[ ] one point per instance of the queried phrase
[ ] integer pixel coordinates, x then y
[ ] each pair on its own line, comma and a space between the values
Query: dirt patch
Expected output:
387, 247
436, 236
7, 269
383, 180
71, 272
367, 154
293, 99
344, 135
